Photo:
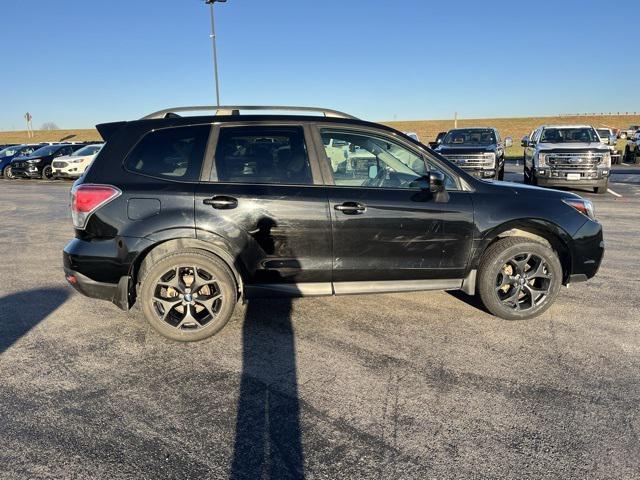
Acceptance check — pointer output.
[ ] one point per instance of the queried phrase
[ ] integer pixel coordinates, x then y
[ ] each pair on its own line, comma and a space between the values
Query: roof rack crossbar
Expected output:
235, 110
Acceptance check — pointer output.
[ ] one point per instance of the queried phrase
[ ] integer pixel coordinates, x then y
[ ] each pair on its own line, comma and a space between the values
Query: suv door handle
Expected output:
221, 202
351, 207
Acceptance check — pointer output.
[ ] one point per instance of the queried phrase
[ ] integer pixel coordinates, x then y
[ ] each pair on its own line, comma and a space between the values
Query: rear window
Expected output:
263, 155
171, 153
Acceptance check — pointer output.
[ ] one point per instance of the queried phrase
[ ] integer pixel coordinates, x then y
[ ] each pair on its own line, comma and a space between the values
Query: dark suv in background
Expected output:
189, 215
479, 151
38, 163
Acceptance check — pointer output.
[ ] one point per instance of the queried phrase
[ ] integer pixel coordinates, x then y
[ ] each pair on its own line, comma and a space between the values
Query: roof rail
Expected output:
235, 110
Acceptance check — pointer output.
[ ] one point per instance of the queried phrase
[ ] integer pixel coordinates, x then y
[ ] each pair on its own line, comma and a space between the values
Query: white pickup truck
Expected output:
567, 156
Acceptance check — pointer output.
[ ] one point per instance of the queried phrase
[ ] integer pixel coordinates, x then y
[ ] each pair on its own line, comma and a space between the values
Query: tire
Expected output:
47, 172
6, 173
501, 173
533, 180
217, 282
517, 266
627, 156
526, 179
600, 190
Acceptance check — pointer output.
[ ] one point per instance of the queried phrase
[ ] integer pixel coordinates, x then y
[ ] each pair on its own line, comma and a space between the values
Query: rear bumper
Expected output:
116, 293
102, 268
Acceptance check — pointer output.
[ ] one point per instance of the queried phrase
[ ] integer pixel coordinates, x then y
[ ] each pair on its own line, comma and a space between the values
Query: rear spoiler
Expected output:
107, 130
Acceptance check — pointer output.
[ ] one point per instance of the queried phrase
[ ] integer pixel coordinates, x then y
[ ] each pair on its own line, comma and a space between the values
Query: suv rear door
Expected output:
385, 227
263, 201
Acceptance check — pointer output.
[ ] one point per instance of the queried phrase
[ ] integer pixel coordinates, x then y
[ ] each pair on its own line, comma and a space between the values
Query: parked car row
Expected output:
47, 160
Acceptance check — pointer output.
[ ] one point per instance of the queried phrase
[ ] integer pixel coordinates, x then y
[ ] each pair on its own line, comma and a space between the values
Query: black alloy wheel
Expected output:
188, 295
47, 172
519, 278
523, 282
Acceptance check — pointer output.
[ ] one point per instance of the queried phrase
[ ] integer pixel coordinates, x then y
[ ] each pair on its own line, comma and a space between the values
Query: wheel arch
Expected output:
542, 231
158, 250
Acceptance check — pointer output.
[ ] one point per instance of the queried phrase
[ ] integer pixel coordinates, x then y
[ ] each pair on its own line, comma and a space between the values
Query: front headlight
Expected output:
75, 160
489, 159
540, 160
606, 160
34, 162
582, 205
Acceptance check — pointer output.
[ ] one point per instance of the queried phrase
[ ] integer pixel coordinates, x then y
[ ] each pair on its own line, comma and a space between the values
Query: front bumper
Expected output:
63, 174
26, 172
588, 251
549, 177
480, 173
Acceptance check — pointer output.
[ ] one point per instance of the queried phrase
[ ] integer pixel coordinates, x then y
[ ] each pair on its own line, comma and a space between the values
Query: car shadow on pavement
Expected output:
471, 300
268, 441
22, 311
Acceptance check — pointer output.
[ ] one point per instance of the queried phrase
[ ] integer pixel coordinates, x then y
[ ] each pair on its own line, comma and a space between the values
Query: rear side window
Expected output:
171, 153
263, 155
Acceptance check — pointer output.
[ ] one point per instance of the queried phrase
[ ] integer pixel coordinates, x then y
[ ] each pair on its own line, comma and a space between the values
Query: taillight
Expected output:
87, 198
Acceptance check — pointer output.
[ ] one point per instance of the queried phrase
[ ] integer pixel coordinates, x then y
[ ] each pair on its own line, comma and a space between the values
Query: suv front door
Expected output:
387, 227
263, 201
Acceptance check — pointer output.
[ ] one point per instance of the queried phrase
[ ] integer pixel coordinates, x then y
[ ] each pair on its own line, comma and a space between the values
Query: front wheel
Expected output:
7, 173
47, 172
187, 296
519, 278
501, 173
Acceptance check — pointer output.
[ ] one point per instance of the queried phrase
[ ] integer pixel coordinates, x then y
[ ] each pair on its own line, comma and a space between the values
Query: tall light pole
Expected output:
215, 51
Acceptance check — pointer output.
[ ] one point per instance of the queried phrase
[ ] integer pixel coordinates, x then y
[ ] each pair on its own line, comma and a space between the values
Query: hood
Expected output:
528, 190
572, 146
455, 149
29, 157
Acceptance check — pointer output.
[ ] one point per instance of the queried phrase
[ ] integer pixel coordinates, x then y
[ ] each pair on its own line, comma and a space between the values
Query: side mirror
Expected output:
508, 142
436, 182
373, 171
525, 141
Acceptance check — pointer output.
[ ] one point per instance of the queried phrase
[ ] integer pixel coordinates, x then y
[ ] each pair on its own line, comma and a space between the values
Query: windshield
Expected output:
569, 135
43, 151
7, 152
470, 136
88, 150
604, 133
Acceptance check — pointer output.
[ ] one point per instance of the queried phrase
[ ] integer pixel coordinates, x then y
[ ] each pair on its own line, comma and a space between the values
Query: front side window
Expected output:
171, 153
364, 160
271, 155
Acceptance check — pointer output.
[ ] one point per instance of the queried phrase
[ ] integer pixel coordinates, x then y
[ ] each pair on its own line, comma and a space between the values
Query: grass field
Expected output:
426, 129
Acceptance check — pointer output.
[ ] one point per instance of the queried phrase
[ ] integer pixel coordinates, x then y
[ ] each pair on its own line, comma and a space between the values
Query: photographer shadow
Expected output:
268, 441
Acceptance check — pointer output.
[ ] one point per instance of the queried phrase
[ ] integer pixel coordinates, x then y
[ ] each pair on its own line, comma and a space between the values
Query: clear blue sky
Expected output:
82, 62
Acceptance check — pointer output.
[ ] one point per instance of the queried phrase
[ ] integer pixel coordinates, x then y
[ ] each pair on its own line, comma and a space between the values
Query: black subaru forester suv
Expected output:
189, 215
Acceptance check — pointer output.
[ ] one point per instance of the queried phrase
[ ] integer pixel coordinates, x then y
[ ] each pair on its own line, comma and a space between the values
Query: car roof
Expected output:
106, 129
567, 126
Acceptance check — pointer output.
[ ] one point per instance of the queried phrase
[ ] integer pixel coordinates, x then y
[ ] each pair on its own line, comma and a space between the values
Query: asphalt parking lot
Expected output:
419, 385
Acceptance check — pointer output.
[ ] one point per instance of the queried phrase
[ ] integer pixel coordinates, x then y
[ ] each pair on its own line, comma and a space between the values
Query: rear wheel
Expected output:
519, 278
187, 296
